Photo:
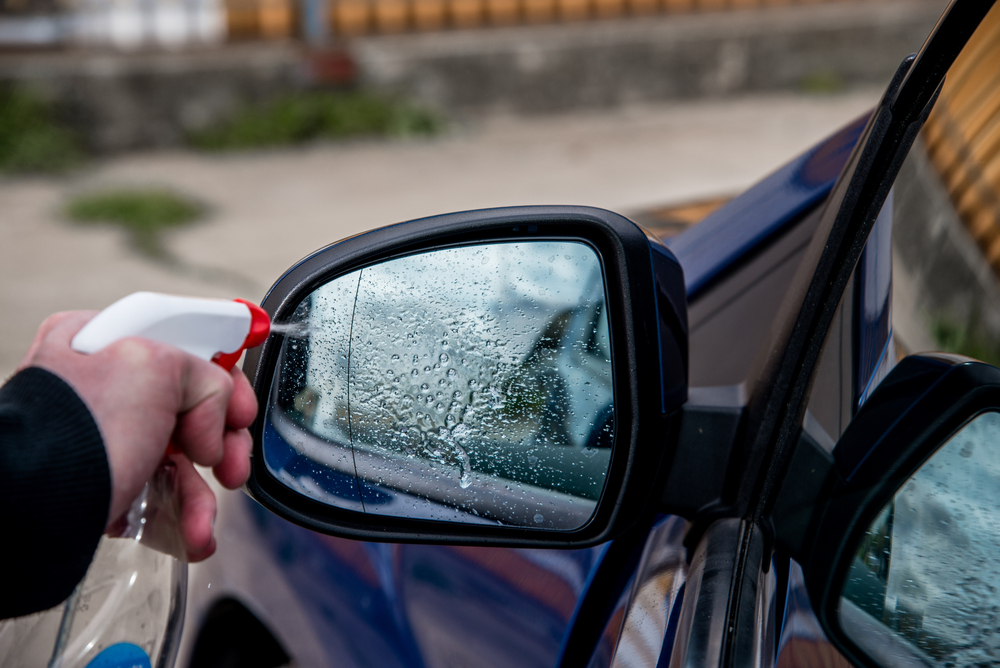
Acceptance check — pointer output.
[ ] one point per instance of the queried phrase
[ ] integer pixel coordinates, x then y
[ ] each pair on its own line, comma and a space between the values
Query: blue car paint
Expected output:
747, 222
664, 555
874, 356
802, 641
420, 605
432, 606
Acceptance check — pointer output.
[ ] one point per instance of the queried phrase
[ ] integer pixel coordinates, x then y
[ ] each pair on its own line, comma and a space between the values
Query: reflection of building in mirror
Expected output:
456, 375
924, 585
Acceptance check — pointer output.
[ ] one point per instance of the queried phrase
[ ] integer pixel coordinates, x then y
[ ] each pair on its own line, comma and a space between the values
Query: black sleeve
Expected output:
55, 491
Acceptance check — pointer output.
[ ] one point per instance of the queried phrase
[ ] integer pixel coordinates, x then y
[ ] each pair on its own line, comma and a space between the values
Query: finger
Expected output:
58, 328
234, 469
242, 403
197, 510
201, 424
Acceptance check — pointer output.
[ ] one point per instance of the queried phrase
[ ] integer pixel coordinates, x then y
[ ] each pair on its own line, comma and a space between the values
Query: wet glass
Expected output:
924, 585
469, 384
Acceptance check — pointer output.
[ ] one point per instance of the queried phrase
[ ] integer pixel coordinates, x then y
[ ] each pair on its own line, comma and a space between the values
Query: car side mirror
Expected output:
899, 544
497, 377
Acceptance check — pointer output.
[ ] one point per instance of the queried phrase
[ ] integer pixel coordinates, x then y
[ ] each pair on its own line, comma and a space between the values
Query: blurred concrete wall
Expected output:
815, 48
147, 99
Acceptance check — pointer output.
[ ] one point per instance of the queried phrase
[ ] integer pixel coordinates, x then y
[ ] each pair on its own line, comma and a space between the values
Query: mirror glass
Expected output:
924, 585
469, 384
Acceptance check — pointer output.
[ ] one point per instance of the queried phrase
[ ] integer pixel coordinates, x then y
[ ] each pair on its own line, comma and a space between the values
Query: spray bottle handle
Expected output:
202, 327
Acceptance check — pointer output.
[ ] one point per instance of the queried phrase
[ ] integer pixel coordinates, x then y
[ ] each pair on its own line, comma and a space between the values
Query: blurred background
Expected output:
203, 146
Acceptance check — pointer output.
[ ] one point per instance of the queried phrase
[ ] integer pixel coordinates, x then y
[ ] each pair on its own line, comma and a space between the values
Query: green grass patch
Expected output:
32, 136
306, 116
144, 213
967, 340
822, 82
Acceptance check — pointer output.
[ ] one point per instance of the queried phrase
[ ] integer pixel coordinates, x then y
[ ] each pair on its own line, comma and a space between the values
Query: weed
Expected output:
968, 340
143, 213
32, 138
305, 116
822, 82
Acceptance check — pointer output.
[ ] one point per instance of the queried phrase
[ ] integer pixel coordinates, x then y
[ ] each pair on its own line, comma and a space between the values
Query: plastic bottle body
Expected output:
128, 611
129, 606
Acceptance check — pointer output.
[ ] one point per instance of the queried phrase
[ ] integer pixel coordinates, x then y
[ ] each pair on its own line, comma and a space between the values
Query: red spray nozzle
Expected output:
260, 327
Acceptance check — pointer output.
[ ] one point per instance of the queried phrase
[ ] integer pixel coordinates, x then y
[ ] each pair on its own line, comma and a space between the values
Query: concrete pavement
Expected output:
268, 209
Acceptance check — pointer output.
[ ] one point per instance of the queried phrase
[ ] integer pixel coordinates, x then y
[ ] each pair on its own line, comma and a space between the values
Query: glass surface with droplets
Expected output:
923, 587
469, 384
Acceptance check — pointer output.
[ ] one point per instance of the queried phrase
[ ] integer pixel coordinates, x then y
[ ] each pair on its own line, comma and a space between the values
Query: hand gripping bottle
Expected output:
129, 609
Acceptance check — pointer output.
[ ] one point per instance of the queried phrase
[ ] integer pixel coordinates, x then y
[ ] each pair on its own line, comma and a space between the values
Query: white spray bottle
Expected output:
129, 609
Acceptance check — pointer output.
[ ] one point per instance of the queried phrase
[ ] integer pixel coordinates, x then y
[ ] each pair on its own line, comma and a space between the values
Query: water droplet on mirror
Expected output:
465, 479
444, 359
414, 373
532, 460
538, 518
427, 369
451, 373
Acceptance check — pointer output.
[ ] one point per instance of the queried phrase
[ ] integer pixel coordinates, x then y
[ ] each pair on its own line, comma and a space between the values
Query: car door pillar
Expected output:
711, 614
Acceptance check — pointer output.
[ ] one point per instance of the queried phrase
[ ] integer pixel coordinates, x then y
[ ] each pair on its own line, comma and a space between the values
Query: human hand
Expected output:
142, 394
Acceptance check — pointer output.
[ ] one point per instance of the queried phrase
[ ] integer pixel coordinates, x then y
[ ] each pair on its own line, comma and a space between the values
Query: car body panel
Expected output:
745, 224
369, 604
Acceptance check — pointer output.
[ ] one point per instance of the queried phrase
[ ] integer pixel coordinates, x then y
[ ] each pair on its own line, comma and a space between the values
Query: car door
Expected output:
712, 581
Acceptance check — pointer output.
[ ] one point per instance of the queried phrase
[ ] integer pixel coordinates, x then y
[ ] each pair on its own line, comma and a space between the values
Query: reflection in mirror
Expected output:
468, 384
924, 585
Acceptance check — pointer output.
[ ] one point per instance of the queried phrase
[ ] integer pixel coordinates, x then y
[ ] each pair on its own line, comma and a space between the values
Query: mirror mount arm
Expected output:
700, 473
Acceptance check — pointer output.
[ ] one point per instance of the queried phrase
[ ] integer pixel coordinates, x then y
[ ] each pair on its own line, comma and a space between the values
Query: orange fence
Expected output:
277, 18
962, 136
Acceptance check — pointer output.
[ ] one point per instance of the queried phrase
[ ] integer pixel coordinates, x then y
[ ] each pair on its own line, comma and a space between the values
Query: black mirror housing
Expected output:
828, 502
647, 320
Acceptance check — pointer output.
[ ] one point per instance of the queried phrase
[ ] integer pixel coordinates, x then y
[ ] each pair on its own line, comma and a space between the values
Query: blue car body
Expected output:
424, 606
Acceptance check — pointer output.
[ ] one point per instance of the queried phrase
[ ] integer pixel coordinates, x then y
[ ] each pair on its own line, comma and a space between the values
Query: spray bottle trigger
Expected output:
260, 324
260, 327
